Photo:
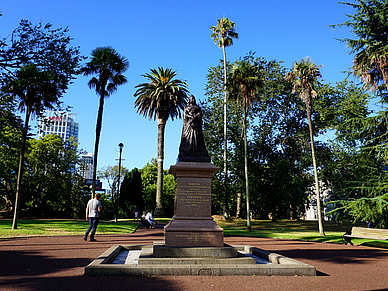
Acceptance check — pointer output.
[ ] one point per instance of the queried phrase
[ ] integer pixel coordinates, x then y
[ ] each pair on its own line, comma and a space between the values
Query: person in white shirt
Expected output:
93, 210
150, 219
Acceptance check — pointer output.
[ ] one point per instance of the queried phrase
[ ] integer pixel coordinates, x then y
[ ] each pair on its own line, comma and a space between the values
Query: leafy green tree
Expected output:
279, 159
11, 129
169, 188
245, 79
304, 75
365, 136
36, 90
37, 54
111, 175
161, 98
131, 193
149, 177
369, 24
358, 185
212, 110
149, 174
279, 154
356, 170
223, 34
108, 66
53, 186
46, 47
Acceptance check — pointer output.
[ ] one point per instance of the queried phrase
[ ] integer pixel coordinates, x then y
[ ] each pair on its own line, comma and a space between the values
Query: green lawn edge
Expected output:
301, 230
282, 229
62, 227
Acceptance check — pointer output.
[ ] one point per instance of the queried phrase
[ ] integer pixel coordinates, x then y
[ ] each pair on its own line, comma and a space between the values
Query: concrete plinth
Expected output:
192, 224
162, 251
249, 261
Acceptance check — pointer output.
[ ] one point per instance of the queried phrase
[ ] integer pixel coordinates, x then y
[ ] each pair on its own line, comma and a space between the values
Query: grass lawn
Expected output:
284, 229
297, 230
52, 227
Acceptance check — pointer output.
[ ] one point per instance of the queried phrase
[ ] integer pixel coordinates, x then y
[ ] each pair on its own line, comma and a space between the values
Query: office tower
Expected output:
86, 170
60, 123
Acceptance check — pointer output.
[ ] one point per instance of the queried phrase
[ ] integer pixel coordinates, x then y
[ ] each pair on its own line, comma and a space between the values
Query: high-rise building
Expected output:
86, 170
60, 123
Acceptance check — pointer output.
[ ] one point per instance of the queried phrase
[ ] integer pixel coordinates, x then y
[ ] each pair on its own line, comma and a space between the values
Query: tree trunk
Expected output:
319, 209
226, 205
20, 170
238, 210
98, 133
159, 212
118, 191
246, 167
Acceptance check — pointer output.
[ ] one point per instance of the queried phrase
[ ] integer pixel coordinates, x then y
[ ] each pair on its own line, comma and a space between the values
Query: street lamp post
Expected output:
121, 145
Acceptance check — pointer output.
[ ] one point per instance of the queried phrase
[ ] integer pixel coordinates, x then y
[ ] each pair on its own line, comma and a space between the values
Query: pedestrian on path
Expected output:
136, 213
93, 210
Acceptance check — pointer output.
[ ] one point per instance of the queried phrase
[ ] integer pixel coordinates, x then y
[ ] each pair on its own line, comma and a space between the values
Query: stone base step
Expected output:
266, 263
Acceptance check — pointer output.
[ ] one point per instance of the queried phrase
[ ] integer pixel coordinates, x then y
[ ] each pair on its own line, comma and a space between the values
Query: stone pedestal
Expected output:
192, 224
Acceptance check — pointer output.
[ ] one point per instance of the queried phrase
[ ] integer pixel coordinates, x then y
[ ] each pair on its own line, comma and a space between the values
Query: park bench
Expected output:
369, 233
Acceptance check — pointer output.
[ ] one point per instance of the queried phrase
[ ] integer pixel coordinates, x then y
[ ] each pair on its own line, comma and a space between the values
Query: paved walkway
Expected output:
57, 263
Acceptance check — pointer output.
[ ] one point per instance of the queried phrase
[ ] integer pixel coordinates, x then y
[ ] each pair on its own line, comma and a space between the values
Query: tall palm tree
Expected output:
223, 34
243, 84
35, 90
304, 75
161, 98
108, 66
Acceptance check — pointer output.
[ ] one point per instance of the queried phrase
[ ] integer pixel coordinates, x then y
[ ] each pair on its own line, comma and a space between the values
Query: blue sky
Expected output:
176, 34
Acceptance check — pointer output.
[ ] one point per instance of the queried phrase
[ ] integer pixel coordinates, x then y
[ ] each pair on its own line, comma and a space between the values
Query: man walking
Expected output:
92, 214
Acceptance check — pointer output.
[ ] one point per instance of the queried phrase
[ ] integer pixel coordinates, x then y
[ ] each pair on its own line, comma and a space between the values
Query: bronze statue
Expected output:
192, 147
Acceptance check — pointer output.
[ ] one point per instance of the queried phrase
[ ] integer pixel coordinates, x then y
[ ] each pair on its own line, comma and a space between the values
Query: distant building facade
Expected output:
61, 123
86, 170
311, 209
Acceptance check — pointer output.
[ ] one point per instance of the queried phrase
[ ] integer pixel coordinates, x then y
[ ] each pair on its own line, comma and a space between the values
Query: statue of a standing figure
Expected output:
192, 147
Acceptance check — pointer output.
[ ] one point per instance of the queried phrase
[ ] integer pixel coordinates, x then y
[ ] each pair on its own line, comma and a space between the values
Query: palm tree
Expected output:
36, 90
304, 75
109, 67
242, 85
223, 34
161, 98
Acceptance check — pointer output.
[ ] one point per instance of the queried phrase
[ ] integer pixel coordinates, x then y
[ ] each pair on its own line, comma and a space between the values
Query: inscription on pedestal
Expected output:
192, 224
194, 238
193, 199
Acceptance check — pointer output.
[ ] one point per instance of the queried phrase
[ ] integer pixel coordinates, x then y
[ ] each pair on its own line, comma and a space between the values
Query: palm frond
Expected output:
163, 96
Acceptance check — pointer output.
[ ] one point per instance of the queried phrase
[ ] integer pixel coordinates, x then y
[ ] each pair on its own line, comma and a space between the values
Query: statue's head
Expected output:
192, 100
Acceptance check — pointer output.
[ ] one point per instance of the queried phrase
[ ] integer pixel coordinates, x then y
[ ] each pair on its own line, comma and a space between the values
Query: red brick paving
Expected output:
57, 263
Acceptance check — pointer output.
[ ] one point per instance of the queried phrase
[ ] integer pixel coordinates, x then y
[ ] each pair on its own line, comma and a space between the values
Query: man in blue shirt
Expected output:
92, 214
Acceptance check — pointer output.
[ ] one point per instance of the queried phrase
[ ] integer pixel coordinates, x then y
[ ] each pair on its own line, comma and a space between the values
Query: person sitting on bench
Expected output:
150, 219
144, 222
